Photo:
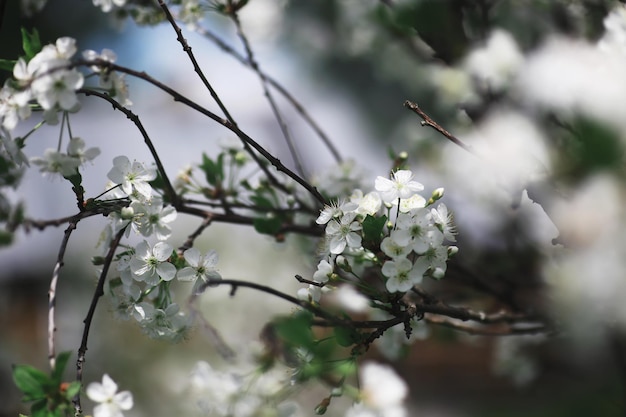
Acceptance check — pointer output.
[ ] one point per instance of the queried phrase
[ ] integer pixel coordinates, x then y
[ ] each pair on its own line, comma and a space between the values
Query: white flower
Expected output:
323, 272
132, 176
495, 64
421, 230
334, 211
444, 221
111, 402
343, 233
54, 162
14, 105
434, 258
149, 264
107, 5
76, 149
413, 202
401, 186
402, 274
396, 245
201, 269
58, 87
382, 393
312, 293
106, 55
151, 218
166, 324
350, 299
368, 204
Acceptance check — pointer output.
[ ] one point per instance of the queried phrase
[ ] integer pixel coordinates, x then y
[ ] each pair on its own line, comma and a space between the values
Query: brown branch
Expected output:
270, 98
169, 189
299, 107
506, 330
428, 121
231, 121
52, 298
99, 292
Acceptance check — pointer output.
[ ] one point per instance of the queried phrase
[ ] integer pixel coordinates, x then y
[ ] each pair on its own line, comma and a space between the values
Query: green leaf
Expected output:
296, 330
213, 171
59, 367
72, 389
31, 381
373, 231
268, 225
39, 408
30, 43
261, 201
7, 64
6, 238
346, 336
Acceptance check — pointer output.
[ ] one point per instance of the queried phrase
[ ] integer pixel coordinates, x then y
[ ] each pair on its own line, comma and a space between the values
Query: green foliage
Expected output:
7, 64
213, 170
373, 231
30, 43
347, 336
589, 147
51, 397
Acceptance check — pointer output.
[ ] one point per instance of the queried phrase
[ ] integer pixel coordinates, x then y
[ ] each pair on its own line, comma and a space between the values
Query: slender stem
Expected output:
266, 91
299, 107
99, 292
169, 189
428, 121
52, 291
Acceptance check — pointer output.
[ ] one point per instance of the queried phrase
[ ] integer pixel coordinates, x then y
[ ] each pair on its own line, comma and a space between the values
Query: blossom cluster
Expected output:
245, 394
146, 269
410, 243
48, 81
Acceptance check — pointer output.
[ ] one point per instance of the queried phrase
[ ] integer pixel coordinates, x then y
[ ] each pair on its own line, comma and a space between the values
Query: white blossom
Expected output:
112, 403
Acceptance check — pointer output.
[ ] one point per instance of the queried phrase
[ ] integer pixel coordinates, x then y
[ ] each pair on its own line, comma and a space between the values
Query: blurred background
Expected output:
535, 87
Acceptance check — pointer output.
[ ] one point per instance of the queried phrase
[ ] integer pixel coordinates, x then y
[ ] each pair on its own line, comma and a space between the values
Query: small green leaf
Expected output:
268, 225
39, 408
72, 389
296, 330
30, 43
59, 367
7, 64
6, 238
261, 202
373, 231
212, 170
31, 381
346, 336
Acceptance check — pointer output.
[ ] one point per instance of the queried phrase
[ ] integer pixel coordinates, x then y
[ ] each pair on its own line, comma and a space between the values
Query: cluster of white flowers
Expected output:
49, 82
414, 244
242, 394
146, 266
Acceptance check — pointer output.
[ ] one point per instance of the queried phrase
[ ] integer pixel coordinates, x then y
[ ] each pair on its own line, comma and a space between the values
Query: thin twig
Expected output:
99, 292
211, 332
226, 123
246, 143
506, 330
192, 237
299, 107
169, 189
270, 98
428, 121
52, 291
